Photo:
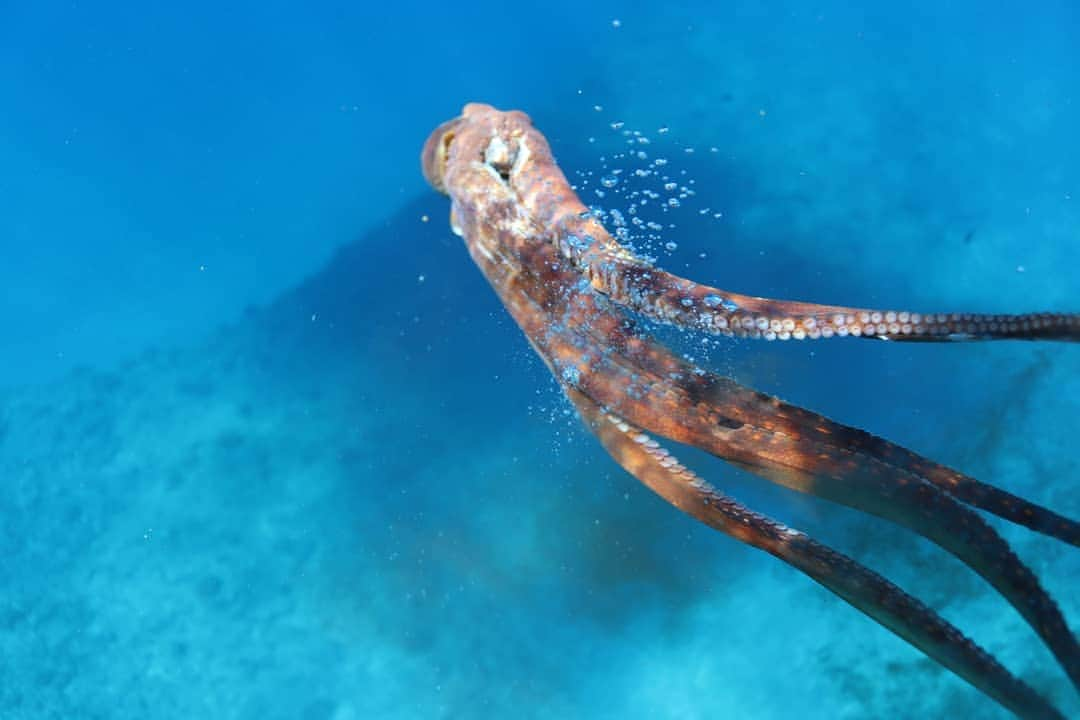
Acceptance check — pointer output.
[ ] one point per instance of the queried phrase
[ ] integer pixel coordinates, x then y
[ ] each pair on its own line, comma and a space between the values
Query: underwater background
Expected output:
271, 448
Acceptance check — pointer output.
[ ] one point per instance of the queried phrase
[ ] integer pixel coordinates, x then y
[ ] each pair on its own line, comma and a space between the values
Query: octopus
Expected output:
580, 296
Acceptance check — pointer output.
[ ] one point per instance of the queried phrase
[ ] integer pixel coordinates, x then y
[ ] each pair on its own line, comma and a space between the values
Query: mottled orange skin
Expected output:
569, 285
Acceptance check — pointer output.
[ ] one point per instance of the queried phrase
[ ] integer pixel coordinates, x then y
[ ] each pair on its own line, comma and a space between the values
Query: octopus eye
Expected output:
444, 152
436, 154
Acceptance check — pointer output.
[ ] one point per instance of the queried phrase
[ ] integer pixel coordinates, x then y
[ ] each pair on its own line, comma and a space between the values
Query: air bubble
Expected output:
609, 181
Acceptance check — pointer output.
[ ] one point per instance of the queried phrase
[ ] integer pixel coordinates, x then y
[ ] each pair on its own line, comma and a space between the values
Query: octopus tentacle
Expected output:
568, 286
881, 600
671, 299
966, 489
718, 391
795, 421
593, 348
597, 352
635, 283
821, 458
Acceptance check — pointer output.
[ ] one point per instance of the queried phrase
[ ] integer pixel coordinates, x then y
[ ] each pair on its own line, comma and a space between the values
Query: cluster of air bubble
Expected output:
638, 189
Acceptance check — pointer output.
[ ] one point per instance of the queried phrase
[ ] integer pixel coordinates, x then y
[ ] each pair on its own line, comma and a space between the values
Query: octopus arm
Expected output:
728, 402
636, 285
636, 378
567, 283
797, 421
875, 596
809, 453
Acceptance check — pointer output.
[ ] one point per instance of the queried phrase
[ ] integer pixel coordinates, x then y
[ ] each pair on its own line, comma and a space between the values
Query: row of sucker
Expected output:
636, 284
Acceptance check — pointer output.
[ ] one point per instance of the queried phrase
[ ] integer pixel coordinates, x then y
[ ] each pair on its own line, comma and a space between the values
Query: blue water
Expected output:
270, 447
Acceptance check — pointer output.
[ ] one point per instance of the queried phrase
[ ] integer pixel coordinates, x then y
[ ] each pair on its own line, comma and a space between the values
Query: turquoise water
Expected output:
270, 447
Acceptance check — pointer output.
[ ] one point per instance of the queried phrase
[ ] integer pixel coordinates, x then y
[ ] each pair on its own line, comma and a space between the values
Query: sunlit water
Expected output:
270, 447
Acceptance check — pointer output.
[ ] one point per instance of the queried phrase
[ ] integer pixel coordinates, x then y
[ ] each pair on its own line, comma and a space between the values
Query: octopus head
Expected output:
480, 133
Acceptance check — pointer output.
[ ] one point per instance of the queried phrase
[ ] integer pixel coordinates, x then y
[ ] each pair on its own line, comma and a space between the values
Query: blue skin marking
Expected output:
717, 301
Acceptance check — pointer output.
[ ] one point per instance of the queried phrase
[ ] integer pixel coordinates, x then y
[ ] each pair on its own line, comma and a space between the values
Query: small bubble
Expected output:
673, 202
663, 130
616, 125
609, 181
616, 23
671, 246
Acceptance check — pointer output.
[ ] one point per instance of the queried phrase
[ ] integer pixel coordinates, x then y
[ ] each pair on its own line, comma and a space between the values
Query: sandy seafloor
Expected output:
363, 497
